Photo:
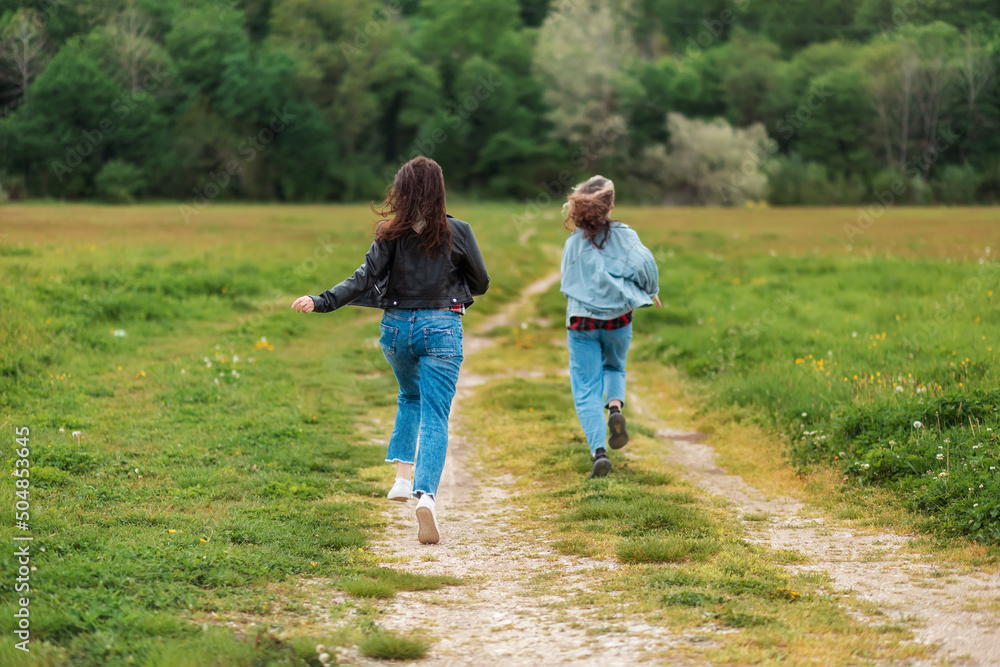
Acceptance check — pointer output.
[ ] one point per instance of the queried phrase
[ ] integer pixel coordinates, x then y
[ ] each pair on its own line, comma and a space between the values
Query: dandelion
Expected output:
171, 531
203, 539
917, 425
313, 563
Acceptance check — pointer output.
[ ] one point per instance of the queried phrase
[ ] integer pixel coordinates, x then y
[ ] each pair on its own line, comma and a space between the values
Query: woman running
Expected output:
606, 274
423, 269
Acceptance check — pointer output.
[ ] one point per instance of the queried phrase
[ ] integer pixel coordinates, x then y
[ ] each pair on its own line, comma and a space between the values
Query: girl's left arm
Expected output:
377, 261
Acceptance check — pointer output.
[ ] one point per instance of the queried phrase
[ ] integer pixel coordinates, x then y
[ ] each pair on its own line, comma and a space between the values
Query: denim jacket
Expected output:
605, 283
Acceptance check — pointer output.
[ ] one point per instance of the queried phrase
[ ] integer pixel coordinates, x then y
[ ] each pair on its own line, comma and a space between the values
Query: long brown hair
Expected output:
588, 207
417, 193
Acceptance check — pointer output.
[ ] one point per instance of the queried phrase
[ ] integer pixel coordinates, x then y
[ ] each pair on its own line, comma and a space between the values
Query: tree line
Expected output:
680, 101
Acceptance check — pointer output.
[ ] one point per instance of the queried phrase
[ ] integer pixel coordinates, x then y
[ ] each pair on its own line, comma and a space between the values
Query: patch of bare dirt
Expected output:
956, 612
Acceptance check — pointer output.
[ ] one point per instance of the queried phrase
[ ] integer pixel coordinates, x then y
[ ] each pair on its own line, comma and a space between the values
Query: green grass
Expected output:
388, 646
226, 446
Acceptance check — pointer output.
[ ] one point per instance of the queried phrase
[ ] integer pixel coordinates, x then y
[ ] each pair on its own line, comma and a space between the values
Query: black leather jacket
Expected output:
399, 274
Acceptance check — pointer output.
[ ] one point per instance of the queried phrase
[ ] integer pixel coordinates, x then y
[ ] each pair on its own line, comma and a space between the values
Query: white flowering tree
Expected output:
711, 162
580, 58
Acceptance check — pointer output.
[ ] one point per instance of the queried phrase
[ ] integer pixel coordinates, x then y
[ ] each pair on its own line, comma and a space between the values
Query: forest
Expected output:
682, 102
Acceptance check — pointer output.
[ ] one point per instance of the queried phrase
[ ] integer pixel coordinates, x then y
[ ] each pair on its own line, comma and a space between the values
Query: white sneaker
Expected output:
401, 491
427, 525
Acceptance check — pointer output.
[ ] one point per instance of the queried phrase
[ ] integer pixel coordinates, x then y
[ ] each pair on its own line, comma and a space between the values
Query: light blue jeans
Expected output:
597, 376
424, 348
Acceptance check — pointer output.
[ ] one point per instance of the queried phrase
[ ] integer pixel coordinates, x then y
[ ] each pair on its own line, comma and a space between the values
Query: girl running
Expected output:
606, 274
423, 270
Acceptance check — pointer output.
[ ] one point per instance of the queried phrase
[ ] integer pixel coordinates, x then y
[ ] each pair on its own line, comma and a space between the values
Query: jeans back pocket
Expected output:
441, 343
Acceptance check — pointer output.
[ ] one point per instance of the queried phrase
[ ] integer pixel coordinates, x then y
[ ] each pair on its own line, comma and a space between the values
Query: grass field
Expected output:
197, 450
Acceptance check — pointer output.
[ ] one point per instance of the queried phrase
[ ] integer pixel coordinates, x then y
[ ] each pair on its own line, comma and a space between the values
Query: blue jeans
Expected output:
597, 376
424, 348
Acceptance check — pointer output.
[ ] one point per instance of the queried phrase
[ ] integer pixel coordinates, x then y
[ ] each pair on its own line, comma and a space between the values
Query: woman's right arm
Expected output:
376, 265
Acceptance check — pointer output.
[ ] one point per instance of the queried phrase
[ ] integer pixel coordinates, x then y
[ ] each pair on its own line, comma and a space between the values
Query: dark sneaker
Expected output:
616, 427
602, 466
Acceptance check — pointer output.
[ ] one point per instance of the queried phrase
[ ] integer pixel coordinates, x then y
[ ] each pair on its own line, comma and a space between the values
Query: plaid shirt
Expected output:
588, 324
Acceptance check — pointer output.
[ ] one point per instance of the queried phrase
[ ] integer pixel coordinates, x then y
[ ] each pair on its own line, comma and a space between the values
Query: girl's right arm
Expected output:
377, 261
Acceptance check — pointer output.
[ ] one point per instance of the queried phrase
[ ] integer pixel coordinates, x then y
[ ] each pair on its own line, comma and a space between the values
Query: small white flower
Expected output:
76, 433
854, 334
137, 471
216, 380
975, 504
221, 373
208, 364
917, 425
263, 339
217, 347
921, 390
183, 371
940, 456
898, 388
867, 466
803, 414
120, 333
236, 358
947, 440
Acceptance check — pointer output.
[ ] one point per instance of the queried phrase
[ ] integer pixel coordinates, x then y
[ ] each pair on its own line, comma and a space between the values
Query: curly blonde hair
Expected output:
588, 207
